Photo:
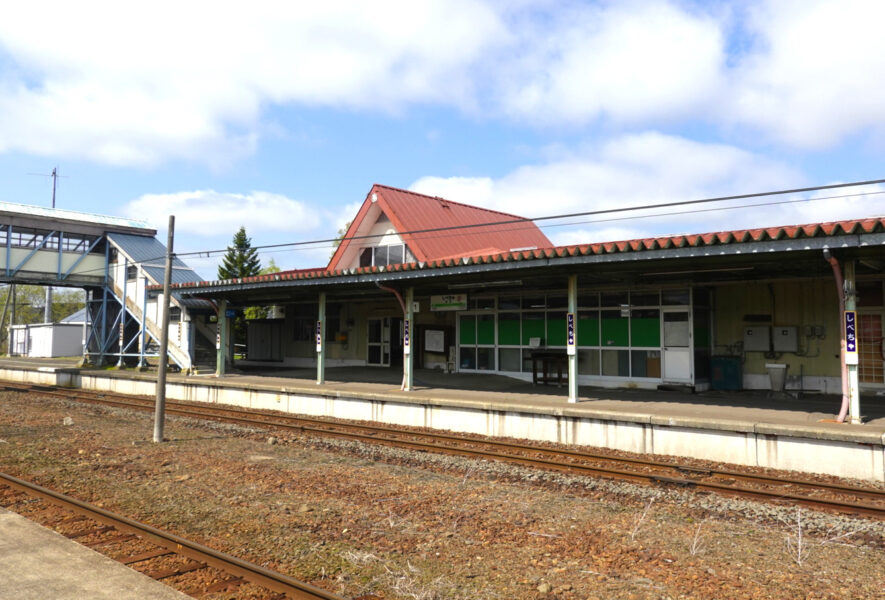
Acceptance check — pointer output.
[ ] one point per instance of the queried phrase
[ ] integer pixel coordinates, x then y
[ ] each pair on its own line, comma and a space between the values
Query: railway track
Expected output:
196, 569
822, 495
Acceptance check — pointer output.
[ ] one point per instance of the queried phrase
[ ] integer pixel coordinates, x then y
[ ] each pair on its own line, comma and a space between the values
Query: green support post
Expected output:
572, 338
321, 346
408, 337
221, 339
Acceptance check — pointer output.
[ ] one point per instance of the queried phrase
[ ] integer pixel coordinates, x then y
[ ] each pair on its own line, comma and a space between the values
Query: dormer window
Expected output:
380, 256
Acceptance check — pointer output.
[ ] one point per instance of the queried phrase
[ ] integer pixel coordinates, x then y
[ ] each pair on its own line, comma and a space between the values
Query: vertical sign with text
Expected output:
850, 324
319, 336
407, 338
571, 338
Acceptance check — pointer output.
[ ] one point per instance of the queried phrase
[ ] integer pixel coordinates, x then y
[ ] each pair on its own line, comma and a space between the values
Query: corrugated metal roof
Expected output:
76, 317
151, 255
722, 238
413, 212
70, 215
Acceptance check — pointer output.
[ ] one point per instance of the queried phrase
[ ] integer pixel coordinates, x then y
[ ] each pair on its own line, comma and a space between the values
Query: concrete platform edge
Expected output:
850, 452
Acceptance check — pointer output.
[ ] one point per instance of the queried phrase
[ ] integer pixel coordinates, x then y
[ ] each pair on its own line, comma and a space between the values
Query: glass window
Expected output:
366, 257
395, 254
374, 331
614, 298
674, 297
676, 329
616, 363
508, 303
588, 362
380, 256
485, 359
644, 299
468, 357
557, 301
588, 299
529, 302
509, 359
645, 363
374, 356
700, 296
869, 293
482, 304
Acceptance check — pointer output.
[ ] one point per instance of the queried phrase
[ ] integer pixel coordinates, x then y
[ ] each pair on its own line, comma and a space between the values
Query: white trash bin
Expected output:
777, 375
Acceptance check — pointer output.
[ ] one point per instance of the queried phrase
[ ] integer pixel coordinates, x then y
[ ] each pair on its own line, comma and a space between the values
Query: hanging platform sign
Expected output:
319, 336
448, 302
850, 324
571, 339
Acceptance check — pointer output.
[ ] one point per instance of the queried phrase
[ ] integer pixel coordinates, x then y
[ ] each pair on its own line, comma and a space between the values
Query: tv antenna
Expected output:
47, 305
54, 175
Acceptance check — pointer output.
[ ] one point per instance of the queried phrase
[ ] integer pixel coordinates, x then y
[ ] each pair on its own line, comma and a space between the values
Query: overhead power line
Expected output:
588, 213
458, 229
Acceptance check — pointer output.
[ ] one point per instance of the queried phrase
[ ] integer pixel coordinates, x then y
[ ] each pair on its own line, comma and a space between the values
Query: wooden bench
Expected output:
552, 363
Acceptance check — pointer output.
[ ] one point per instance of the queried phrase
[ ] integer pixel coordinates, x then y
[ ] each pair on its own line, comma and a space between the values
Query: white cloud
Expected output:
126, 85
814, 75
626, 61
651, 168
129, 85
209, 214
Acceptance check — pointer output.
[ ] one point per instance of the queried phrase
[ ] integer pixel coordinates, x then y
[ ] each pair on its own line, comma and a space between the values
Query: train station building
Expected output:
420, 282
732, 346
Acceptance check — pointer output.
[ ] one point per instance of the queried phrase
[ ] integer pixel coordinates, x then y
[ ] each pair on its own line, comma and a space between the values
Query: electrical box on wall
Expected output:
756, 338
785, 339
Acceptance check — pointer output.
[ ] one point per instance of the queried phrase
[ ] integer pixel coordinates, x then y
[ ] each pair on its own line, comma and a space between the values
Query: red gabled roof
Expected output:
722, 238
416, 213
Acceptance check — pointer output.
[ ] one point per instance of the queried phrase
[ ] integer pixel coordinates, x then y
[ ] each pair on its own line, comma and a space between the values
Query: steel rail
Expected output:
232, 565
370, 434
127, 401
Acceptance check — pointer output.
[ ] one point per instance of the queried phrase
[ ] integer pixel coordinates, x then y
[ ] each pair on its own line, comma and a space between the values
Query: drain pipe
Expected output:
840, 293
405, 316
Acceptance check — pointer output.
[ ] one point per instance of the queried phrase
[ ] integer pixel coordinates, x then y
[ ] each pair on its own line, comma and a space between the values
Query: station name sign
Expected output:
850, 325
571, 340
448, 302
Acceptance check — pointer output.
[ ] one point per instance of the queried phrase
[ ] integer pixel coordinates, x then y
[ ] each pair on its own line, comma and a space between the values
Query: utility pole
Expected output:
47, 307
160, 408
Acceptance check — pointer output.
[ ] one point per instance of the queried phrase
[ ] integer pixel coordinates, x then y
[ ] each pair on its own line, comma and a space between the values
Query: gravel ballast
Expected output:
364, 519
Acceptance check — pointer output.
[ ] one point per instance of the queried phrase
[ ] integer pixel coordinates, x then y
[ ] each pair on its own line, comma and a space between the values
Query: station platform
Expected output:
748, 427
37, 563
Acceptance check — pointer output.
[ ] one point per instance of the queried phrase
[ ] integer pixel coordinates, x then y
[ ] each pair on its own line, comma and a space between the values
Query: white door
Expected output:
677, 346
378, 350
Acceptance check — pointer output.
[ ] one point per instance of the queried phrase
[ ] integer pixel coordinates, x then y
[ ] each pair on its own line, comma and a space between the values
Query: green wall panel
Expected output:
468, 329
646, 332
615, 330
556, 333
508, 329
485, 330
533, 327
588, 332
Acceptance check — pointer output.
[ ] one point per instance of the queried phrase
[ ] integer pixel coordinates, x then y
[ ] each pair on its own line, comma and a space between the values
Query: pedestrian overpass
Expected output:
116, 261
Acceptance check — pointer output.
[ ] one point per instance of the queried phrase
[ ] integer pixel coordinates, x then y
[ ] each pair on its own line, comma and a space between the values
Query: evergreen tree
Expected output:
241, 259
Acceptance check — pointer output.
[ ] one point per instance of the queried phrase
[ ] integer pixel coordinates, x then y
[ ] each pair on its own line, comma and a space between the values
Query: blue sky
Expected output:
280, 116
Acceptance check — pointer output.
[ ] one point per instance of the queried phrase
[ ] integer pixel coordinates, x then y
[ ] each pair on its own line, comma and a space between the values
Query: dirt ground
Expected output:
361, 520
